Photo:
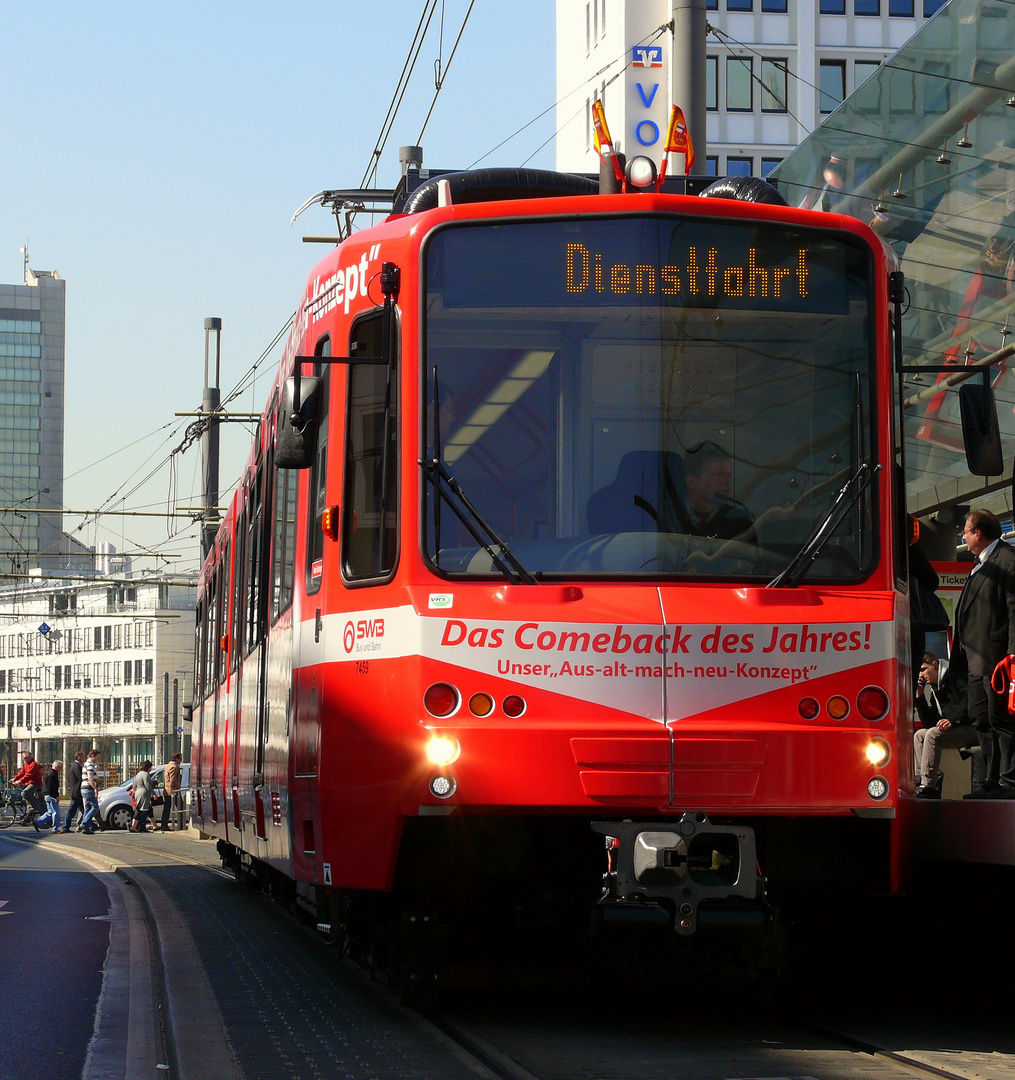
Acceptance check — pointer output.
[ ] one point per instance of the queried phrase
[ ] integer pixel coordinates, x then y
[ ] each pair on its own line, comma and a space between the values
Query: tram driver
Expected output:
709, 508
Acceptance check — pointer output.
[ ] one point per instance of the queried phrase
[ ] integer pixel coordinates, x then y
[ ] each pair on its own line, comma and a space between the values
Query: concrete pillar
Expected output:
688, 73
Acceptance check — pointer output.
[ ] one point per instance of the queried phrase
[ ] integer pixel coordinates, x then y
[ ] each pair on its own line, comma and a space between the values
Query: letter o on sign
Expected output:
653, 130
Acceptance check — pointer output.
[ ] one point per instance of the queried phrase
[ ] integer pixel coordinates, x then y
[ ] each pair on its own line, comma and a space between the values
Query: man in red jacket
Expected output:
31, 776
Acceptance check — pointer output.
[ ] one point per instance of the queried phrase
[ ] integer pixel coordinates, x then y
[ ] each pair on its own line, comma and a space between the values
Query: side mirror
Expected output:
296, 428
981, 436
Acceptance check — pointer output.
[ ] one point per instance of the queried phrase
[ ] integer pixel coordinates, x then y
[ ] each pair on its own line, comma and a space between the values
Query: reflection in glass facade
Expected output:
925, 151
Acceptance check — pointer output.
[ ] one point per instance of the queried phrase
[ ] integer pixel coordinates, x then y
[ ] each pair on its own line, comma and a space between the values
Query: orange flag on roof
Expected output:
601, 133
678, 138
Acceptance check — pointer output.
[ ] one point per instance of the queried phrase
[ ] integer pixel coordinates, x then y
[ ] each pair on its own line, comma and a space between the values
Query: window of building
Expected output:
900, 9
588, 30
773, 84
863, 70
866, 7
149, 671
739, 84
833, 7
902, 92
739, 166
711, 5
739, 5
935, 89
774, 7
832, 83
711, 165
768, 164
128, 670
932, 7
712, 83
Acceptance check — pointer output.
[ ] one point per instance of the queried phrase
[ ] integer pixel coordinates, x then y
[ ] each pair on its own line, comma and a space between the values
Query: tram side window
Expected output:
239, 570
221, 654
370, 503
319, 477
199, 631
257, 566
211, 625
283, 548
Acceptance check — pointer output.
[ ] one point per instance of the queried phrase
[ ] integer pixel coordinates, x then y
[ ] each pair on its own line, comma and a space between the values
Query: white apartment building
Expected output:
771, 71
105, 664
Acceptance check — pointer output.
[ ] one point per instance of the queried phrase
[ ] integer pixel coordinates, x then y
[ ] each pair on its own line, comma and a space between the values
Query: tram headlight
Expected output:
443, 787
442, 750
879, 753
877, 788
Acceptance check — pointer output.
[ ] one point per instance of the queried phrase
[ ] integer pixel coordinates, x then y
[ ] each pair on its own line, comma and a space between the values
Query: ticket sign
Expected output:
650, 261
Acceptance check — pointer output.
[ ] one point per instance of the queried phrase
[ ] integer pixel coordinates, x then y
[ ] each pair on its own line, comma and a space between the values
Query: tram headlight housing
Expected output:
442, 750
879, 753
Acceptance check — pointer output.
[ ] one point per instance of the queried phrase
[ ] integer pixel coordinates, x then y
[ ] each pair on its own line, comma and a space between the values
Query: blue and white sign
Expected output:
647, 56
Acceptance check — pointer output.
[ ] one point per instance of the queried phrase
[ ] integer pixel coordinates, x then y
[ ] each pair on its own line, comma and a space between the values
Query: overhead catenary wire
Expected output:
402, 85
626, 56
440, 81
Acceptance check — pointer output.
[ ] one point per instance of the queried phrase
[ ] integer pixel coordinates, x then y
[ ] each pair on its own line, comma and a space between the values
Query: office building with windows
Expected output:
773, 70
105, 664
31, 421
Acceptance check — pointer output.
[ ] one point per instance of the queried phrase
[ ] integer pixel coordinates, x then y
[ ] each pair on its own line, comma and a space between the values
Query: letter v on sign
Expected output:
647, 101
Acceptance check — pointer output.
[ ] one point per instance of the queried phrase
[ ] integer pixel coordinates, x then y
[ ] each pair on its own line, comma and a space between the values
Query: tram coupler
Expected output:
672, 869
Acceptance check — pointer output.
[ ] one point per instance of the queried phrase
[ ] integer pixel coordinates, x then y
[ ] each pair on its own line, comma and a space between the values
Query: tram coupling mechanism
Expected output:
689, 874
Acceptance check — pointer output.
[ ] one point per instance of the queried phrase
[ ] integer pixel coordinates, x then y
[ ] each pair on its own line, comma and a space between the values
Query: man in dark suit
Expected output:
985, 635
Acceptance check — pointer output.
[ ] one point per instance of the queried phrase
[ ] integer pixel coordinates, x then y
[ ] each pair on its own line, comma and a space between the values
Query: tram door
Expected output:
308, 689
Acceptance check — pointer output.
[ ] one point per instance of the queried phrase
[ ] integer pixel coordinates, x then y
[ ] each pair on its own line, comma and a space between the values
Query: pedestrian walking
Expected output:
173, 776
142, 798
90, 792
77, 806
51, 793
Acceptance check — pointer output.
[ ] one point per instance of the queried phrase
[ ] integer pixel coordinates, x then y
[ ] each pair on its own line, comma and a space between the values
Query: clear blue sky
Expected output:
154, 154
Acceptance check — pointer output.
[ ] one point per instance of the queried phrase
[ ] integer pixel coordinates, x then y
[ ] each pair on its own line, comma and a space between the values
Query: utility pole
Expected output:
210, 438
687, 73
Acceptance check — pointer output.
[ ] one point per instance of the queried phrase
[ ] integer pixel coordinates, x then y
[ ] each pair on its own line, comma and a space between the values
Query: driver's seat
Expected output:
644, 495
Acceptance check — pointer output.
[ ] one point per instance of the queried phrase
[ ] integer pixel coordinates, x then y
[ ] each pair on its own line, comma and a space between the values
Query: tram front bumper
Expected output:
689, 872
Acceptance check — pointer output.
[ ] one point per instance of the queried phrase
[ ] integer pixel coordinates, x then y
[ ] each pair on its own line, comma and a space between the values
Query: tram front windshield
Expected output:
646, 396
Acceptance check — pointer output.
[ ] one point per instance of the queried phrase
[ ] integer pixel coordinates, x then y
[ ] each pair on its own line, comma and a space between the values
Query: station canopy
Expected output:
924, 151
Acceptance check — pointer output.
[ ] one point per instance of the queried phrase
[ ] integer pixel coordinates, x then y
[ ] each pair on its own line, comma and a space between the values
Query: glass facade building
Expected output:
924, 151
32, 318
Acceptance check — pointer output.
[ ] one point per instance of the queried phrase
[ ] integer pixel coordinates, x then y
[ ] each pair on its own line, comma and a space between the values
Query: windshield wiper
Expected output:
446, 487
847, 498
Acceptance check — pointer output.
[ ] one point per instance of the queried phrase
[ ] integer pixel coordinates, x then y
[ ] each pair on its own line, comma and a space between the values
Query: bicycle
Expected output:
15, 807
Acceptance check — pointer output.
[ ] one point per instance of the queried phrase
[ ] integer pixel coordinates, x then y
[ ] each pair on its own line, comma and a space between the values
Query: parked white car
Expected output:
116, 808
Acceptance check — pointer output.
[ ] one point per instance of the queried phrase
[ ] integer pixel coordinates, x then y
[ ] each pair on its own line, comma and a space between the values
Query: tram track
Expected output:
498, 1034
500, 1063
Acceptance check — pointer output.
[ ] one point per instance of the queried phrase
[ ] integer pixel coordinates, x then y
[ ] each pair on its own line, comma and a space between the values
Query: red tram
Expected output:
572, 515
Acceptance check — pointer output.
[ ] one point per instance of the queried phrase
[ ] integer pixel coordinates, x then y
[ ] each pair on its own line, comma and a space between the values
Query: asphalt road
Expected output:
54, 938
